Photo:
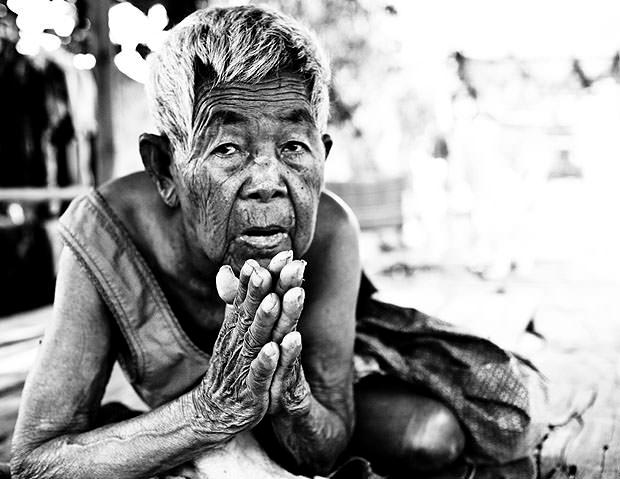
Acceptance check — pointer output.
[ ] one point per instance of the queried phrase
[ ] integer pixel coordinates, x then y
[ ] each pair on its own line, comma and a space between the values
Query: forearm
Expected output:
140, 447
313, 435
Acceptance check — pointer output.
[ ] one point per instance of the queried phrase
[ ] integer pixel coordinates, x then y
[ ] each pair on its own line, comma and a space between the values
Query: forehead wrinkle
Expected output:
277, 89
228, 112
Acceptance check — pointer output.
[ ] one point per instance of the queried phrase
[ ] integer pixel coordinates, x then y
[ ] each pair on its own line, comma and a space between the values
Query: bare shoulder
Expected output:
335, 220
131, 196
135, 200
333, 259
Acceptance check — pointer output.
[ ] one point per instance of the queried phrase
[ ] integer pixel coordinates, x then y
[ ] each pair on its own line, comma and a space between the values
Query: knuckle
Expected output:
255, 289
245, 313
239, 299
251, 342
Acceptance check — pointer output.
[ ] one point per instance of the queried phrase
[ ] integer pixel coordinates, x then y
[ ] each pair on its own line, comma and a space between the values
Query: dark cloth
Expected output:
23, 122
27, 274
5, 471
35, 116
485, 386
475, 378
355, 468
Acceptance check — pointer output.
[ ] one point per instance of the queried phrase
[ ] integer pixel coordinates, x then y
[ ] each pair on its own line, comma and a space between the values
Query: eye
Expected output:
227, 149
294, 147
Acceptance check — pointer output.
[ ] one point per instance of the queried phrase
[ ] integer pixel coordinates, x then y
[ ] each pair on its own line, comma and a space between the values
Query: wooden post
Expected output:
104, 74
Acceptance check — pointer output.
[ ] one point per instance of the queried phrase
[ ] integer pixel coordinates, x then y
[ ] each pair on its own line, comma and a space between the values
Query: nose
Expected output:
265, 182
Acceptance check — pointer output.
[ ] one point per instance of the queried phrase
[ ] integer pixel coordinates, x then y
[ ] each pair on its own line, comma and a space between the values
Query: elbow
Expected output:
324, 459
333, 449
19, 466
26, 465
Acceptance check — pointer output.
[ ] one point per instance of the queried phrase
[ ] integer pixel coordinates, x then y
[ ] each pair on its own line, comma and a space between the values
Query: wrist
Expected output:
296, 405
199, 416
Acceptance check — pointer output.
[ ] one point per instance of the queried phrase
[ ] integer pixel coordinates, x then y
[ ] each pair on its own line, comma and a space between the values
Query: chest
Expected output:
198, 313
196, 308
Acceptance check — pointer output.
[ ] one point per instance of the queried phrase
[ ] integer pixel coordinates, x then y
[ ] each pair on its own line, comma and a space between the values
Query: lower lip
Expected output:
264, 241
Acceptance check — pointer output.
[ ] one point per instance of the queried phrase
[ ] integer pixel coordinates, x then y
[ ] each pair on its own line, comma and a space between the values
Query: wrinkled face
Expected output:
251, 185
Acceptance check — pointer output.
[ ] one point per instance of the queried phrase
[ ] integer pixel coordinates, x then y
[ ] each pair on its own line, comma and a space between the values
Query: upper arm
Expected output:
327, 324
64, 388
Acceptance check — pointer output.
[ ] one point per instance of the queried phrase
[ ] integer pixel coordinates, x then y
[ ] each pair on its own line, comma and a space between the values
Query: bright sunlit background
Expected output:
496, 122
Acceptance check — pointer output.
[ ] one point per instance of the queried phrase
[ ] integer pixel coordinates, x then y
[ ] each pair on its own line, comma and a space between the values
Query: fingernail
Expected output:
293, 337
270, 302
257, 279
282, 259
301, 294
247, 269
271, 350
301, 269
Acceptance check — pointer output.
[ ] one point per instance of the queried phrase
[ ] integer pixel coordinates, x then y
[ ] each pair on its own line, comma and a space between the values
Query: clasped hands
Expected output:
255, 368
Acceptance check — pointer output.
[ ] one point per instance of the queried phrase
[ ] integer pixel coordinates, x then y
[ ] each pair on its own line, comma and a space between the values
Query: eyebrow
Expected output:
226, 117
298, 115
229, 117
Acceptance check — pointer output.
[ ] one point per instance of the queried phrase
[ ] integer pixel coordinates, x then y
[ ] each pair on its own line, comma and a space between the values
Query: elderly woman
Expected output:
191, 276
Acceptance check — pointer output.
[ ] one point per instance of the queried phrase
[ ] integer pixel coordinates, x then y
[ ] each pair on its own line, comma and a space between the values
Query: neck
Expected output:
191, 267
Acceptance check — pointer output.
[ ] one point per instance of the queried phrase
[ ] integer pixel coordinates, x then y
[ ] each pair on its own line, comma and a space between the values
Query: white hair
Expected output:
236, 44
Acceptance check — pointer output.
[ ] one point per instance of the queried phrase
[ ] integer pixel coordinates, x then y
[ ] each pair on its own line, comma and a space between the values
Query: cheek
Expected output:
207, 204
305, 186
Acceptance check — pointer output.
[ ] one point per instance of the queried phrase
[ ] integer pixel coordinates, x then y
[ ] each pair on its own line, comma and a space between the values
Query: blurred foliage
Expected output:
376, 110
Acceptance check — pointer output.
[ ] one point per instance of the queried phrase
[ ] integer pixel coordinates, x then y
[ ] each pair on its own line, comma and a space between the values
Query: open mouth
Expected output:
264, 237
263, 231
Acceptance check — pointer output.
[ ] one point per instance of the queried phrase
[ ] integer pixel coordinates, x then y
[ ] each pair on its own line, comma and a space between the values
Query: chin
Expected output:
264, 262
236, 261
261, 248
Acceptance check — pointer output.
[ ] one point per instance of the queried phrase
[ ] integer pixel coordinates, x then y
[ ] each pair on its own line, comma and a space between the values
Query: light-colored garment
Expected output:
241, 457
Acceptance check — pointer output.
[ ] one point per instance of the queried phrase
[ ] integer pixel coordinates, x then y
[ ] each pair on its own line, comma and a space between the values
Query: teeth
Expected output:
263, 240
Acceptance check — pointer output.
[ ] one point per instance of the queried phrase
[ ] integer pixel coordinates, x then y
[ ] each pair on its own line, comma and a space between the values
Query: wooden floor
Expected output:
569, 326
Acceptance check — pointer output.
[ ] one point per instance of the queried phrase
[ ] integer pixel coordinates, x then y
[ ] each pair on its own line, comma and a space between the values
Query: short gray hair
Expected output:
235, 44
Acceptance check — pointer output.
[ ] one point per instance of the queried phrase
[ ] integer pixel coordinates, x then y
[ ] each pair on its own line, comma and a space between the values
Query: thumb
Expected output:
226, 283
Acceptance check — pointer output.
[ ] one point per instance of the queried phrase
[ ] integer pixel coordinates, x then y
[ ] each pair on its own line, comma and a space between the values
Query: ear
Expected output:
157, 160
327, 142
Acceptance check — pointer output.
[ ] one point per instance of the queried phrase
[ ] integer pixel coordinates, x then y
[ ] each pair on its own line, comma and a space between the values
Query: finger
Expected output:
244, 277
258, 287
259, 332
292, 275
292, 305
226, 284
262, 369
279, 261
290, 349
